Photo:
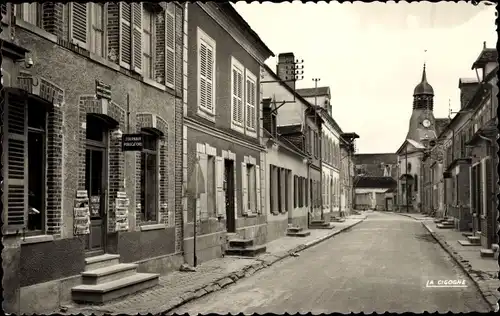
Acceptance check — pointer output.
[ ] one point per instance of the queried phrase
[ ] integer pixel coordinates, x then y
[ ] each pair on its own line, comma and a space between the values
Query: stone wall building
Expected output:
72, 196
222, 130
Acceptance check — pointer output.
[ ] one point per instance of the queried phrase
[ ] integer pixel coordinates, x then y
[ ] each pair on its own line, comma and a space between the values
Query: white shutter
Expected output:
220, 201
237, 95
125, 45
79, 26
250, 102
137, 36
257, 188
170, 45
244, 188
203, 196
206, 65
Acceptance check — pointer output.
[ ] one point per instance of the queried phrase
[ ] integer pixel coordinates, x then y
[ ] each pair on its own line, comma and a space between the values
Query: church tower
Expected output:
422, 122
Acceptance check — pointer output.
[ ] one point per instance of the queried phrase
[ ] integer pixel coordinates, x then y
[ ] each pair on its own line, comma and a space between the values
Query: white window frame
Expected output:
249, 130
235, 125
152, 44
103, 30
202, 36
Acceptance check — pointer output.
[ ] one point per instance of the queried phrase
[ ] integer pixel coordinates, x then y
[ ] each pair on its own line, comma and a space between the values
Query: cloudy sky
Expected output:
371, 56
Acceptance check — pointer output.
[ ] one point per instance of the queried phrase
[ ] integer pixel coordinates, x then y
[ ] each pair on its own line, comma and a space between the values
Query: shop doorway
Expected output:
229, 193
96, 181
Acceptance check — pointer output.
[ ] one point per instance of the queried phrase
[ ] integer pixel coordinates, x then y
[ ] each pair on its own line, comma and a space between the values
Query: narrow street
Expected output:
380, 265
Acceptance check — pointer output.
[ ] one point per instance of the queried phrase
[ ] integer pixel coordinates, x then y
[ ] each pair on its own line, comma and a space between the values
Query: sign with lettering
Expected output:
102, 90
131, 142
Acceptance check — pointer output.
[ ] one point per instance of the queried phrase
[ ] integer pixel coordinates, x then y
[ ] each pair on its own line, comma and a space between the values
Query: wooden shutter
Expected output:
237, 94
206, 66
271, 188
204, 196
257, 188
79, 30
490, 194
294, 191
244, 188
15, 162
250, 102
125, 45
170, 45
137, 36
220, 201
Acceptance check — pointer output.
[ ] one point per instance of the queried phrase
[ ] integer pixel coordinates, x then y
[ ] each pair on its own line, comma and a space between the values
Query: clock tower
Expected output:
422, 122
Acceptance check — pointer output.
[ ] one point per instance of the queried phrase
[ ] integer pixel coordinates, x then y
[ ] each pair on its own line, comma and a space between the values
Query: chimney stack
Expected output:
286, 68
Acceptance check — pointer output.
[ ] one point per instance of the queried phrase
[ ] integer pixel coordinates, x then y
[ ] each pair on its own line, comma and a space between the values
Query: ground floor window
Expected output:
149, 178
25, 127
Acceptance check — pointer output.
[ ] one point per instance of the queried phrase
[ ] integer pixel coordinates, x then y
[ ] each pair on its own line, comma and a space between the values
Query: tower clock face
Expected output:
426, 123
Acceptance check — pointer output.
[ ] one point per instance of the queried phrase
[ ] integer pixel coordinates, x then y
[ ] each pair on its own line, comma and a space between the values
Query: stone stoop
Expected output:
441, 220
337, 219
487, 253
105, 279
297, 232
446, 225
475, 240
320, 225
467, 234
244, 248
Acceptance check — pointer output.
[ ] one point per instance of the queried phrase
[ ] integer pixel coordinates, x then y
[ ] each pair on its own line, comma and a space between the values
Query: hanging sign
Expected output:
132, 142
102, 90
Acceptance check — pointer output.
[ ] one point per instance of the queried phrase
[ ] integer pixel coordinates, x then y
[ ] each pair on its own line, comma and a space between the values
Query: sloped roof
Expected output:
376, 182
311, 92
290, 129
441, 124
486, 56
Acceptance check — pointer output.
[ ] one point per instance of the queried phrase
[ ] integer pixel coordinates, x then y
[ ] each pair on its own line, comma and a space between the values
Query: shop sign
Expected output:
131, 142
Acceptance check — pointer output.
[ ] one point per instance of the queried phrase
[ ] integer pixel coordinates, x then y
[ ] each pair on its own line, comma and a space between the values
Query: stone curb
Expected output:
489, 297
243, 273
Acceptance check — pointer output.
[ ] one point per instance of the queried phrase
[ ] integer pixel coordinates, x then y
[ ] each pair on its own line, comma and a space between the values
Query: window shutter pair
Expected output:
206, 69
16, 170
257, 189
244, 188
220, 197
237, 95
130, 46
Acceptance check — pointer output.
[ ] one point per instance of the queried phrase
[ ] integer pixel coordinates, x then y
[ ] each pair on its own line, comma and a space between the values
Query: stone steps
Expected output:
298, 234
246, 252
466, 243
445, 225
240, 243
320, 225
104, 279
476, 240
487, 253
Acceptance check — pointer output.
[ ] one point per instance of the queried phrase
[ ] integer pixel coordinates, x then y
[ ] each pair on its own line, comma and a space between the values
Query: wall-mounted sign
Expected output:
102, 90
132, 142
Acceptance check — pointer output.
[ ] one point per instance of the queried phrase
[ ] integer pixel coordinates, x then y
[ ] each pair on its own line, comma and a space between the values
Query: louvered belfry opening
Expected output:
28, 126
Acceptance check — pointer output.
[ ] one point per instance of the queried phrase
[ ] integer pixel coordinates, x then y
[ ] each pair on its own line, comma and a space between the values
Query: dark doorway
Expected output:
96, 183
229, 193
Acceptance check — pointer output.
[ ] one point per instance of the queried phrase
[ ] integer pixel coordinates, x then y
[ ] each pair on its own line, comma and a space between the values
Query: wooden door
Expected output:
229, 190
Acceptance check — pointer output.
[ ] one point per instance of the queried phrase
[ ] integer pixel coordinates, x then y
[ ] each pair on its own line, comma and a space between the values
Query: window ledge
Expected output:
103, 61
204, 114
37, 30
251, 133
37, 239
238, 128
153, 83
152, 227
250, 214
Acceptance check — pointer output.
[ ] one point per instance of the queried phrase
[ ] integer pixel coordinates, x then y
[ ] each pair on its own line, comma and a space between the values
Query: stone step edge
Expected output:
101, 258
115, 285
100, 272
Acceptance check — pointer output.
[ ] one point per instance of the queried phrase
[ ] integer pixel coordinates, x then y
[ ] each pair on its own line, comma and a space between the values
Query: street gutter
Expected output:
246, 271
486, 294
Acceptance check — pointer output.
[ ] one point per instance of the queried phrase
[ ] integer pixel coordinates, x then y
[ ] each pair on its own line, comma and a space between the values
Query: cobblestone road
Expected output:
381, 265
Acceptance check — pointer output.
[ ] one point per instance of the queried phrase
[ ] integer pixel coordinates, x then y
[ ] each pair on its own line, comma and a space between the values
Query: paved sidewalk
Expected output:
178, 287
483, 271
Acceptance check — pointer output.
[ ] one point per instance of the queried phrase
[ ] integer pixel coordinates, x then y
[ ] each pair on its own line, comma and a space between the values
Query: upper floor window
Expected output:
251, 100
97, 29
147, 43
243, 98
206, 71
30, 12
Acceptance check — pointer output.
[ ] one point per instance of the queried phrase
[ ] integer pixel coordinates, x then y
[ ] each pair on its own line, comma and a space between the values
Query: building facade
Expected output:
72, 193
285, 195
222, 131
300, 124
